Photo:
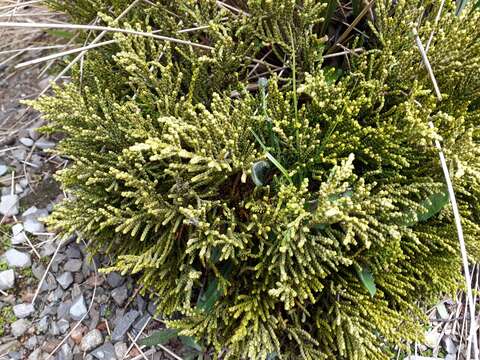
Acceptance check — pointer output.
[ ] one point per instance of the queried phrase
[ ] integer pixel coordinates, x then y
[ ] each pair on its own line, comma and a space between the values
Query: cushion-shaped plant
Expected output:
301, 212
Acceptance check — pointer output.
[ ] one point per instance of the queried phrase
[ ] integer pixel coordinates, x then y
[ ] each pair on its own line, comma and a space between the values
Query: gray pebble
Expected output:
119, 295
65, 352
19, 327
64, 309
47, 249
36, 355
124, 324
42, 325
78, 308
44, 144
31, 343
7, 279
26, 141
91, 340
65, 280
38, 270
23, 310
120, 350
73, 265
105, 352
73, 252
140, 323
16, 258
54, 330
9, 205
114, 279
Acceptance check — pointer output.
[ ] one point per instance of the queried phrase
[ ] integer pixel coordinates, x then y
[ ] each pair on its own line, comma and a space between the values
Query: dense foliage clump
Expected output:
259, 191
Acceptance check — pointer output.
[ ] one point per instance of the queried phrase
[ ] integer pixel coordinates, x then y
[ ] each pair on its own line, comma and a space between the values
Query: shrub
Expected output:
303, 213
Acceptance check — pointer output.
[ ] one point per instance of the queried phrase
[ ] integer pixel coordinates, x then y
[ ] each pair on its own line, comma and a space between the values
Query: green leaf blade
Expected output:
366, 277
159, 338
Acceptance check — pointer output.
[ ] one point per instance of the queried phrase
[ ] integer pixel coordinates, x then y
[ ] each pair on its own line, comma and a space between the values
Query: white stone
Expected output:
30, 211
19, 327
432, 339
65, 280
449, 345
78, 308
36, 354
9, 205
91, 340
18, 235
18, 189
23, 310
16, 258
26, 141
3, 169
19, 238
44, 144
17, 229
33, 226
120, 350
7, 279
35, 213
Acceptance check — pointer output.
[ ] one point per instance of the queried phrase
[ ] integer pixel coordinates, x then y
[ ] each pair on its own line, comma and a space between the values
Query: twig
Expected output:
437, 19
352, 25
453, 201
346, 52
232, 8
137, 337
101, 28
134, 342
63, 53
31, 245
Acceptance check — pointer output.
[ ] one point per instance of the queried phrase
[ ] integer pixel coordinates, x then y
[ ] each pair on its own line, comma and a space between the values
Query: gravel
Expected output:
3, 169
65, 280
33, 226
7, 279
23, 310
121, 349
73, 265
91, 340
44, 144
114, 279
19, 259
124, 323
78, 308
20, 327
104, 352
9, 205
119, 295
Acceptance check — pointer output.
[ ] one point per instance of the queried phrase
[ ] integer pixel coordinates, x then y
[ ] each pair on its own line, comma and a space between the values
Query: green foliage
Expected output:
159, 337
6, 318
264, 218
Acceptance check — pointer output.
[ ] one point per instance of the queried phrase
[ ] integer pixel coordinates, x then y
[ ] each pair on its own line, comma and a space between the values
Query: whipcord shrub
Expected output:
274, 204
